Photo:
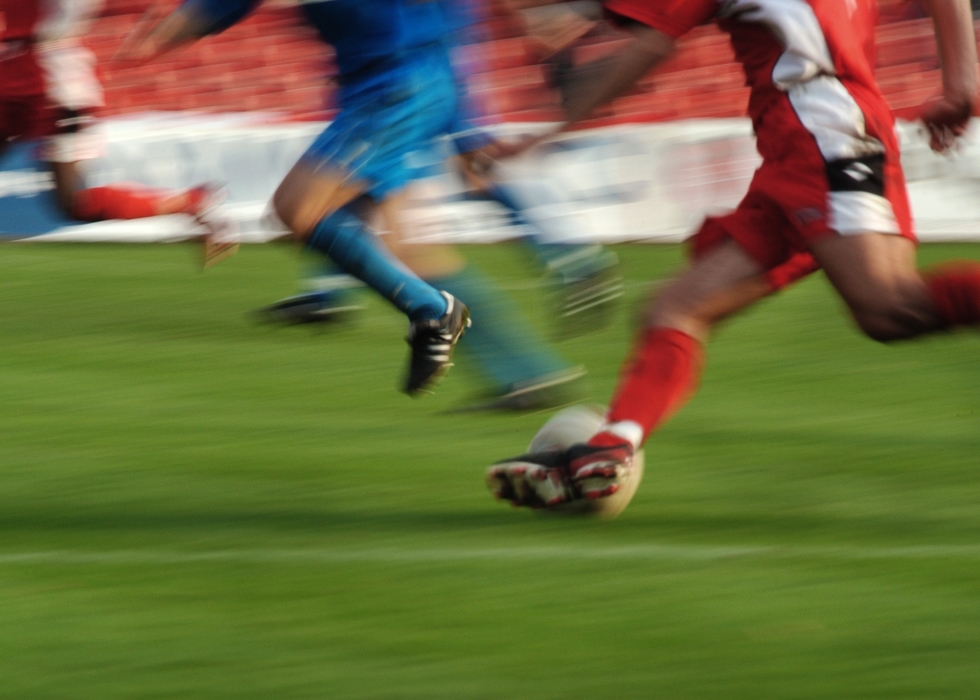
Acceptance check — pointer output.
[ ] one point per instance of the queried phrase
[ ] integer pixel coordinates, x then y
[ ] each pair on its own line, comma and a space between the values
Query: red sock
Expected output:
117, 202
955, 290
658, 378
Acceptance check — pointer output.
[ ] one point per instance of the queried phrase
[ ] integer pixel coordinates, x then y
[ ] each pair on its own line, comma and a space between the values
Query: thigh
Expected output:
876, 276
759, 227
67, 181
869, 270
308, 193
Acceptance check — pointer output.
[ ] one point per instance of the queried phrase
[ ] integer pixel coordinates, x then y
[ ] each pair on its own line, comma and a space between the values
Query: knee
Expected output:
300, 212
287, 211
667, 308
884, 328
907, 313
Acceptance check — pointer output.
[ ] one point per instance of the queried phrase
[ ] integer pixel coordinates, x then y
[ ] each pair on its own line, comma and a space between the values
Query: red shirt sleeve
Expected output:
672, 17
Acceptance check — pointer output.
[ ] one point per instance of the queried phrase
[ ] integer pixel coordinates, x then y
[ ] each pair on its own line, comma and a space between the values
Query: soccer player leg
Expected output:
76, 139
523, 371
738, 259
322, 208
329, 296
665, 365
587, 276
888, 297
868, 252
658, 377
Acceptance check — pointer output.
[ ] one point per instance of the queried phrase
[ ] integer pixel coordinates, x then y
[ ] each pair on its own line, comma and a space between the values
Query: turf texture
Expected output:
195, 506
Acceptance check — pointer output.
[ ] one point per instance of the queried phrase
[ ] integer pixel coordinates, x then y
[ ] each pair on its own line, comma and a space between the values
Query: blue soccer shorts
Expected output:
385, 119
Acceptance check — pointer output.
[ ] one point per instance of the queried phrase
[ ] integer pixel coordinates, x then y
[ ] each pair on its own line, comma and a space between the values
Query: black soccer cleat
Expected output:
599, 471
534, 480
553, 477
432, 342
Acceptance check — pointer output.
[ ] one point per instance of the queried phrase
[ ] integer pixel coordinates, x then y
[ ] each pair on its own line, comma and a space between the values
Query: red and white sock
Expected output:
659, 377
955, 290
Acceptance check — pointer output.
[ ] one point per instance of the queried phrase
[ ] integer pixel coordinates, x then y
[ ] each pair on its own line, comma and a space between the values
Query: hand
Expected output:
476, 167
520, 144
946, 120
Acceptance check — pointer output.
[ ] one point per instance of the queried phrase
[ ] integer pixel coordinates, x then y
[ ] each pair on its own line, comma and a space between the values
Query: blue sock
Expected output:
343, 236
547, 254
504, 345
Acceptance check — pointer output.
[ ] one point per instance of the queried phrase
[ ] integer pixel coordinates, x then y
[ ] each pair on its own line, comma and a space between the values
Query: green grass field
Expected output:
193, 506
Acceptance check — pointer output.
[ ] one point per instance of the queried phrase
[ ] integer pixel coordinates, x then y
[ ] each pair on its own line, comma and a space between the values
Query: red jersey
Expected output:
831, 162
808, 49
20, 74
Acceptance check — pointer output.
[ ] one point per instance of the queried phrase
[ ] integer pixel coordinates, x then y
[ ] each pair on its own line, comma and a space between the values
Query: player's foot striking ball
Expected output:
562, 473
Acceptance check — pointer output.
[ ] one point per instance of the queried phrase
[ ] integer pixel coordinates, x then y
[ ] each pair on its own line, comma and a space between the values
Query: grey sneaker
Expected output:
589, 289
547, 391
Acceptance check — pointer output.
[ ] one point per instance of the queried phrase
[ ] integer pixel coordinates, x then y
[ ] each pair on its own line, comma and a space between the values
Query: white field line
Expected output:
652, 552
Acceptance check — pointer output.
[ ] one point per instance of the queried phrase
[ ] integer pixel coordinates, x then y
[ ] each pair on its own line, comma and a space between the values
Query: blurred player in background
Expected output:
396, 93
522, 371
830, 192
586, 277
49, 91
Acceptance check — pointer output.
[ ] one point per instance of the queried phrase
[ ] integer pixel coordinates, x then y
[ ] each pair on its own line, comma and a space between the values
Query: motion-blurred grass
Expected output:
194, 506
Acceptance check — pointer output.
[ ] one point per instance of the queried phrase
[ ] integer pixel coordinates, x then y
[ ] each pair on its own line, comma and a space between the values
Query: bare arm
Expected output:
600, 81
947, 117
615, 74
554, 24
554, 27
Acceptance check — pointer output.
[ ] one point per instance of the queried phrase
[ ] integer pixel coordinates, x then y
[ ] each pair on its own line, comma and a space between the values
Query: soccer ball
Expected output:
578, 424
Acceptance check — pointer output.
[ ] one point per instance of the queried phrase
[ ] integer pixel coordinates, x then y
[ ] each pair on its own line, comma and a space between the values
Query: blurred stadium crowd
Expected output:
274, 62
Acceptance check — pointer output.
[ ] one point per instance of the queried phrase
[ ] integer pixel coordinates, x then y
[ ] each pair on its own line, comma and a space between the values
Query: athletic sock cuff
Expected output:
955, 291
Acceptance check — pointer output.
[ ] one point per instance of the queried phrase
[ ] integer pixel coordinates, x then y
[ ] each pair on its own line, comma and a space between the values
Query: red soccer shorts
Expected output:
805, 191
25, 117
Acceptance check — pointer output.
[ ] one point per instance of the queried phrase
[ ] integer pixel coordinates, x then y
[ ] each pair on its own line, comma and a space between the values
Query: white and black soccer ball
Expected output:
578, 424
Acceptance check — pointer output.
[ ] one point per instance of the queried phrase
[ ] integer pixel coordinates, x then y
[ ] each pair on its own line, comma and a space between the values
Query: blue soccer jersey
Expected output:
368, 36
